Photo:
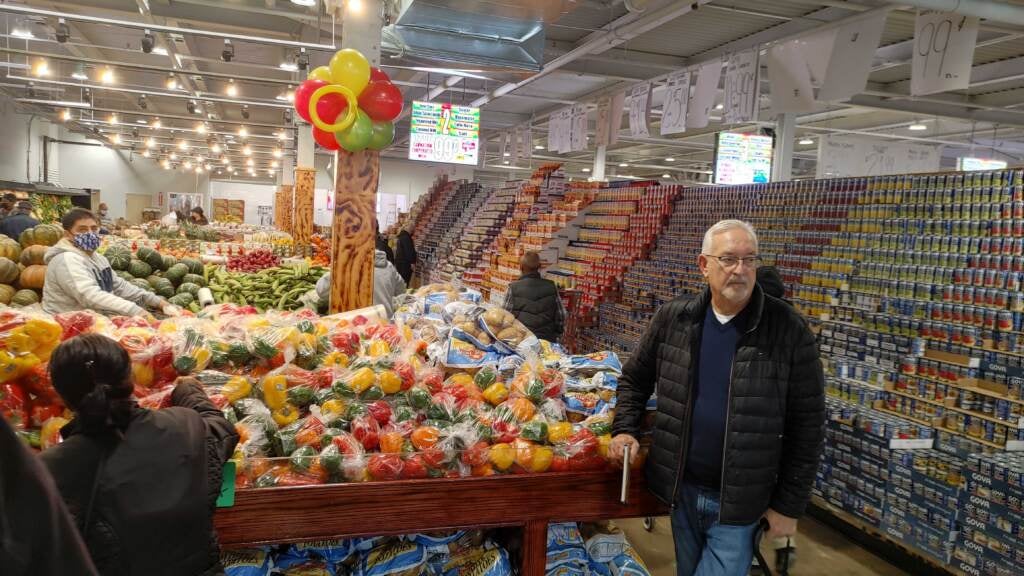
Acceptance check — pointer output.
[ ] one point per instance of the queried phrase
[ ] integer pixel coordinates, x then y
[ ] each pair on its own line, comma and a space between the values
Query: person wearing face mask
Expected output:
77, 278
740, 422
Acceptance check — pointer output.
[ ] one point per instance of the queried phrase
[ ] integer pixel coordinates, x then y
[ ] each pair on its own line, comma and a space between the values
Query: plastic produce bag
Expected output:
26, 340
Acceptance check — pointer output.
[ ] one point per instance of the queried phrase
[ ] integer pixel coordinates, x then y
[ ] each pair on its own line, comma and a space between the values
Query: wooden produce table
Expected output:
526, 501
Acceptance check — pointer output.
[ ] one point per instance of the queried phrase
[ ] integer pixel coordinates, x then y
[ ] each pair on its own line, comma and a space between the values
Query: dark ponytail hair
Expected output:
92, 374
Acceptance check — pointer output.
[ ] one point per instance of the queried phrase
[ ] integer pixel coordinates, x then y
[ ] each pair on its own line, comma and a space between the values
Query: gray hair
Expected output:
724, 226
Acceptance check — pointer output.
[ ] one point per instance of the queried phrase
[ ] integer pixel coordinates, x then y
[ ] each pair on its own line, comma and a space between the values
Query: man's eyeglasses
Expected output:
730, 262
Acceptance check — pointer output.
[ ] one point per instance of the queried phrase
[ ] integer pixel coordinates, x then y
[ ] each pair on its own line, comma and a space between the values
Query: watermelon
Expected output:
182, 299
25, 298
194, 279
168, 261
176, 273
140, 283
194, 266
139, 269
119, 257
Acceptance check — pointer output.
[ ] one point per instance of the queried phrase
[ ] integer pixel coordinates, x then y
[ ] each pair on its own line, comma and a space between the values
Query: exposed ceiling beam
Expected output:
934, 109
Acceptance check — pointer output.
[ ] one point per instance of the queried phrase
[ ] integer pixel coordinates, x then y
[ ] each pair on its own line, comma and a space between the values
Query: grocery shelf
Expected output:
530, 501
918, 398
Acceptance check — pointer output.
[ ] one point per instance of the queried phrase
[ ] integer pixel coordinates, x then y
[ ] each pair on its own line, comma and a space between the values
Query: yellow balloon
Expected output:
320, 73
350, 69
350, 115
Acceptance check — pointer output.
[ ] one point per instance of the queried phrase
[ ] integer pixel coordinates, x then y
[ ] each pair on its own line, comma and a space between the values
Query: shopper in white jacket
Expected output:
387, 283
77, 278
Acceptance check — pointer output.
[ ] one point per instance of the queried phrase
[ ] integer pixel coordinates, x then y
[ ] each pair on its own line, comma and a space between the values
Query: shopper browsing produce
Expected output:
40, 538
535, 301
197, 217
20, 220
104, 214
387, 283
7, 205
141, 484
405, 254
739, 425
382, 242
77, 278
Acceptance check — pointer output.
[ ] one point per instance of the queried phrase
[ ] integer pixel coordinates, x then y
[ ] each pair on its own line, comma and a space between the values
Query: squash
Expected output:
164, 288
10, 249
25, 298
6, 293
139, 269
194, 279
144, 253
140, 283
154, 259
43, 235
189, 288
154, 280
182, 300
194, 266
33, 276
120, 257
168, 261
176, 273
34, 254
9, 271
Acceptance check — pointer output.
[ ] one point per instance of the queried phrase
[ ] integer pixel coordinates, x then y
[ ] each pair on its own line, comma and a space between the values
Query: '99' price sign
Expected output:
943, 52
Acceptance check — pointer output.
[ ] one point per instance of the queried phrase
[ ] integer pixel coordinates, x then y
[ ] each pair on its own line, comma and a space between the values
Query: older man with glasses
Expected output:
741, 410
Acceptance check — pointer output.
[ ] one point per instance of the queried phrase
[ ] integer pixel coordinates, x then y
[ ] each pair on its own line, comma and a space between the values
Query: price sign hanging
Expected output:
741, 87
579, 128
943, 52
677, 101
615, 119
704, 94
604, 115
639, 110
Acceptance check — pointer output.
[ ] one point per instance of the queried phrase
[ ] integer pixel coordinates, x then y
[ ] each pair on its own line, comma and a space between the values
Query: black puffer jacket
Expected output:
775, 424
155, 490
534, 302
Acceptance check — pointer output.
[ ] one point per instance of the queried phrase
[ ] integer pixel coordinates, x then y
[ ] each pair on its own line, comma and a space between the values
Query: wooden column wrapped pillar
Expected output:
302, 221
352, 241
283, 208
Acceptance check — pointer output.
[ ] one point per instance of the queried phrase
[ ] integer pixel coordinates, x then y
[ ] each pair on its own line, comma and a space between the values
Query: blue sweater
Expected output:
711, 399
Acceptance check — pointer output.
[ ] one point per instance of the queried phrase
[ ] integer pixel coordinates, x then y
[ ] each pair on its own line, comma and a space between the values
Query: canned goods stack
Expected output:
483, 228
993, 517
437, 239
923, 501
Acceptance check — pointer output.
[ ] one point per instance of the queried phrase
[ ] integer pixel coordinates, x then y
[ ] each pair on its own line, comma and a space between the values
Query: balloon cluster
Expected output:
351, 105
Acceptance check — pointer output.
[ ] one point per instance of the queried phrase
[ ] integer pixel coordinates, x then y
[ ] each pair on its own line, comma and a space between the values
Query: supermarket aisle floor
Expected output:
821, 550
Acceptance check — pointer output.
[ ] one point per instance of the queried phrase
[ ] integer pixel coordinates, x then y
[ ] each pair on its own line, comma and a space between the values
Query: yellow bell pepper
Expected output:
559, 432
390, 382
542, 458
142, 374
603, 442
238, 387
202, 357
336, 359
496, 394
18, 342
42, 330
502, 456
362, 379
525, 451
168, 326
285, 415
332, 409
378, 348
275, 391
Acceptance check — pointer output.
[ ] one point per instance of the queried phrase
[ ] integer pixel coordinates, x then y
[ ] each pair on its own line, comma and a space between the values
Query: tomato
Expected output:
381, 412
385, 466
414, 468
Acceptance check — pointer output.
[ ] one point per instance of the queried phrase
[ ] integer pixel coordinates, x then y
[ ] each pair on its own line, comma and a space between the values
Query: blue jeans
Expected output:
703, 546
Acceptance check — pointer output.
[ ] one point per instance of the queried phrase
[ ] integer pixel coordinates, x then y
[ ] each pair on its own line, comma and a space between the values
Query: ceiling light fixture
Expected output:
277, 152
199, 169
107, 76
586, 169
670, 159
116, 138
42, 68
166, 164
187, 164
288, 66
182, 145
172, 82
507, 154
65, 115
79, 73
623, 165
355, 6
274, 164
243, 132
666, 176
304, 2
112, 119
215, 148
719, 106
156, 124
21, 30
174, 156
806, 142
145, 153
506, 162
249, 162
917, 127
160, 50
225, 161
150, 142
231, 90
281, 135
201, 128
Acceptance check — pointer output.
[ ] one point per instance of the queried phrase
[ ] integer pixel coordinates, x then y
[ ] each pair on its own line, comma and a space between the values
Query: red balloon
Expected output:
378, 74
382, 101
302, 96
328, 107
325, 139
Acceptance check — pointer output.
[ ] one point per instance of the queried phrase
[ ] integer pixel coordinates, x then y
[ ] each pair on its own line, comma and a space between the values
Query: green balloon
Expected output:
383, 135
356, 137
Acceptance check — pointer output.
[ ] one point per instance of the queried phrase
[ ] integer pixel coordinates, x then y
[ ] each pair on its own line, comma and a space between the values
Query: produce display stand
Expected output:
527, 501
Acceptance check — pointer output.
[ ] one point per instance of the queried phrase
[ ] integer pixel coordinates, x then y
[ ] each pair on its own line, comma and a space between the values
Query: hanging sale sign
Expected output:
943, 52
615, 121
741, 89
604, 113
704, 94
790, 79
677, 100
850, 57
639, 110
579, 128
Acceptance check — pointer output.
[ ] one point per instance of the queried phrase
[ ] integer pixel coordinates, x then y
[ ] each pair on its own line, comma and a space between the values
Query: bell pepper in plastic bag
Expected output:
13, 405
385, 466
275, 391
502, 455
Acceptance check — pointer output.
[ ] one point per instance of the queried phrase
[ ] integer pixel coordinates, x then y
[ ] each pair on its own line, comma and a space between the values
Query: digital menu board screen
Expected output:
444, 133
971, 164
743, 158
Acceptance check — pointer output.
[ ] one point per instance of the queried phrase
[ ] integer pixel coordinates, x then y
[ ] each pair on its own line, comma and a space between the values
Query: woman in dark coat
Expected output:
405, 255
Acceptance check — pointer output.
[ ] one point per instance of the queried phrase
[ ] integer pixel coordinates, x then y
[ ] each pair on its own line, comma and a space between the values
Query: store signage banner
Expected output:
514, 146
639, 110
526, 143
704, 94
741, 87
579, 128
618, 105
817, 51
677, 100
565, 130
790, 79
604, 121
849, 62
842, 156
943, 52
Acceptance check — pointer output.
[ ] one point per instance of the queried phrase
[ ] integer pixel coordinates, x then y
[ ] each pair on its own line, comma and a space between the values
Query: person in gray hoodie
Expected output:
387, 283
77, 278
